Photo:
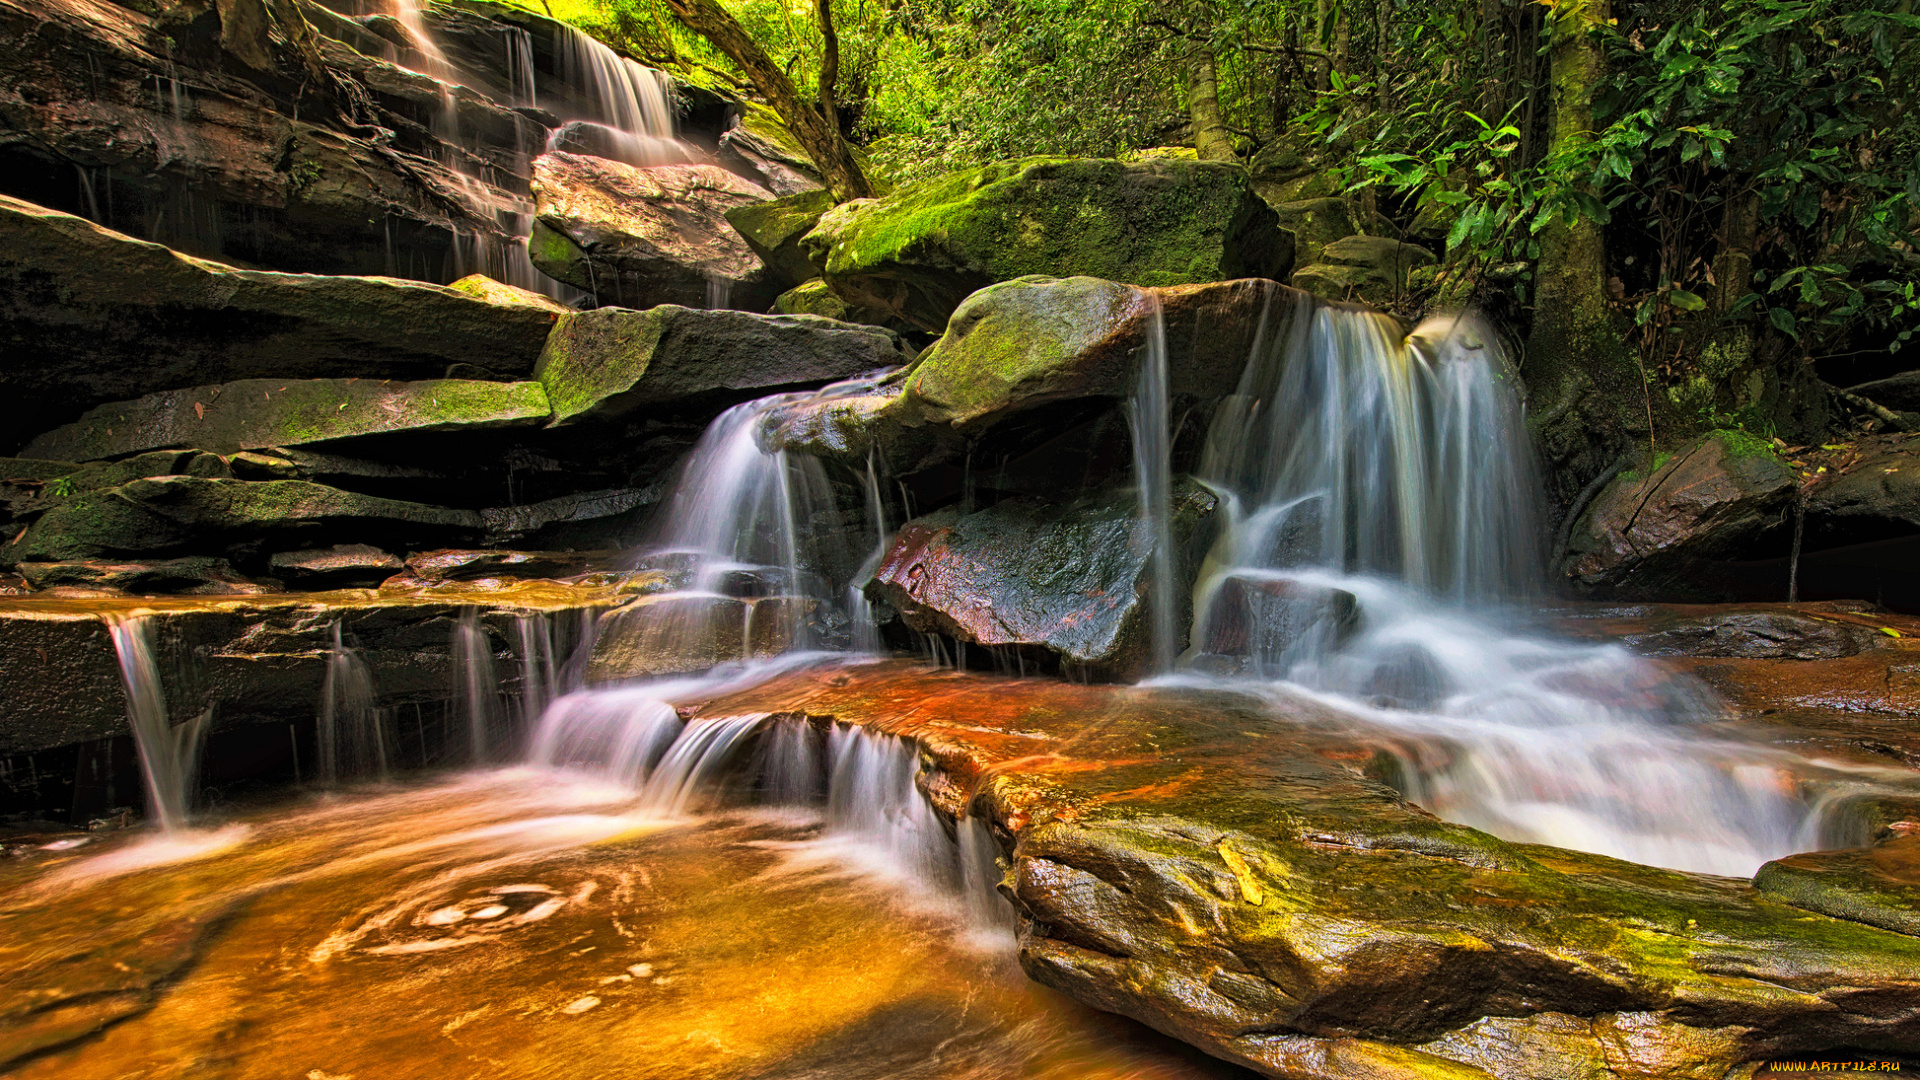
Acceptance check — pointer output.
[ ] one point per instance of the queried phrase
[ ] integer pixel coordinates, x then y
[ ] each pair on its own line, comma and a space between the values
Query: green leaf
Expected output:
1686, 301
1783, 321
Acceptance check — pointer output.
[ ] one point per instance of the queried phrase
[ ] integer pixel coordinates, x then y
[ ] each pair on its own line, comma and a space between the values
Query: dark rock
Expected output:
193, 576
603, 364
467, 565
1874, 498
922, 250
1753, 635
254, 414
1073, 580
169, 515
1262, 618
640, 237
773, 230
1369, 269
1668, 534
89, 316
1901, 392
608, 517
1315, 223
343, 566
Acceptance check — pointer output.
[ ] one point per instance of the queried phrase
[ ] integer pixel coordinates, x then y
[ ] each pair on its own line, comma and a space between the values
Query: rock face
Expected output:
639, 237
1370, 269
88, 315
1316, 223
603, 364
774, 229
919, 252
253, 414
678, 633
1668, 533
1070, 582
1224, 875
1023, 345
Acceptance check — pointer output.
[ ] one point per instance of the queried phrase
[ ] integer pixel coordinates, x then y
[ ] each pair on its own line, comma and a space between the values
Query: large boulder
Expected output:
254, 414
1669, 532
1315, 223
760, 147
922, 250
1068, 584
88, 315
638, 237
774, 230
180, 515
1370, 269
608, 363
1021, 345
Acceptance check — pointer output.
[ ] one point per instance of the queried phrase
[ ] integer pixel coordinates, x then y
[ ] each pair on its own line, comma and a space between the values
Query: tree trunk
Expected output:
815, 130
1589, 399
1210, 137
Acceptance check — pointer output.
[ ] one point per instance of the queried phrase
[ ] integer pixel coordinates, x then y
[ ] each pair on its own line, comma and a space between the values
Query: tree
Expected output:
815, 124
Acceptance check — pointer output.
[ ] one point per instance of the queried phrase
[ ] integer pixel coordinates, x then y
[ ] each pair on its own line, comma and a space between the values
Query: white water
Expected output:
351, 736
634, 104
1149, 417
169, 754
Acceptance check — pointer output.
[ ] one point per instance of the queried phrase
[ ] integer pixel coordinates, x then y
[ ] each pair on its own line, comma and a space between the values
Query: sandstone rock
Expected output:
466, 565
1315, 223
1071, 581
1876, 498
168, 515
1901, 392
192, 576
922, 250
1667, 534
773, 230
1769, 635
1254, 621
254, 414
760, 148
813, 298
1878, 885
639, 237
343, 566
88, 316
1370, 269
604, 364
674, 633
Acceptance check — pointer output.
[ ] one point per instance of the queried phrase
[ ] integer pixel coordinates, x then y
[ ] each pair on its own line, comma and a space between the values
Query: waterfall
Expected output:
1149, 418
476, 688
633, 103
866, 625
351, 733
169, 755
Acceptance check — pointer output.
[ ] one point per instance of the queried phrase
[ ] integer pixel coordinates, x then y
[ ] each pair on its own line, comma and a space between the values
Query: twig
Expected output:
1880, 412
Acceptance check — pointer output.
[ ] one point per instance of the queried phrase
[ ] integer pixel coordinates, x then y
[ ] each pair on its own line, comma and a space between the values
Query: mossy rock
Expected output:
253, 414
1369, 269
773, 230
925, 248
811, 298
482, 287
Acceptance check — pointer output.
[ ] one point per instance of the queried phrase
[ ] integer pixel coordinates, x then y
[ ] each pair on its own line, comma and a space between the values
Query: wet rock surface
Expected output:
639, 237
1226, 876
922, 250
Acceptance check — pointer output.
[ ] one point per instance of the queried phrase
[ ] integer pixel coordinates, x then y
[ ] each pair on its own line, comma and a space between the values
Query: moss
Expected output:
1743, 444
811, 298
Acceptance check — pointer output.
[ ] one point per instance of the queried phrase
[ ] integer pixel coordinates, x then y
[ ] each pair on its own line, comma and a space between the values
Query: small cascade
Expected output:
351, 734
433, 59
476, 690
539, 668
866, 625
520, 76
169, 754
633, 103
871, 797
1149, 418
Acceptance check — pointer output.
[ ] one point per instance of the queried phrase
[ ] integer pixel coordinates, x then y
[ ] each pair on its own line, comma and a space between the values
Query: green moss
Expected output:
1742, 444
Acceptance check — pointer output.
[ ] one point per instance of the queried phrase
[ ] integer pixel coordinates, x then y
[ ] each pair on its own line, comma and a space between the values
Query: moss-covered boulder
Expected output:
638, 237
773, 230
760, 147
922, 250
1066, 584
1367, 269
482, 287
181, 515
607, 363
1671, 531
88, 315
1316, 222
256, 413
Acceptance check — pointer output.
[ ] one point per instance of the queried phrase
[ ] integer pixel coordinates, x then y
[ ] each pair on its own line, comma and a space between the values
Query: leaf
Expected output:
1686, 301
1783, 321
1890, 631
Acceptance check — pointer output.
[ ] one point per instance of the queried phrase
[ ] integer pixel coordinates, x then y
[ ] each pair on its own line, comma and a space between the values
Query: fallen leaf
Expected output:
1889, 631
199, 410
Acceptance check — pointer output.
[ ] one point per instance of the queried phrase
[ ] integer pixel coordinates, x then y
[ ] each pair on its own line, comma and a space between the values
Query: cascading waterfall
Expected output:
476, 688
634, 104
169, 754
351, 735
1378, 491
1149, 417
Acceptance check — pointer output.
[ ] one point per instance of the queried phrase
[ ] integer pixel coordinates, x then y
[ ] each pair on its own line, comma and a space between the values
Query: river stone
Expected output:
254, 414
342, 566
192, 576
922, 250
1753, 635
168, 515
608, 363
638, 237
1020, 345
1875, 498
1667, 534
1370, 269
1878, 885
89, 316
1071, 581
773, 230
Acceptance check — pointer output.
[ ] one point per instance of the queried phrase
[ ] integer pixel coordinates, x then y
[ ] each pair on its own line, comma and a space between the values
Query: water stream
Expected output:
169, 753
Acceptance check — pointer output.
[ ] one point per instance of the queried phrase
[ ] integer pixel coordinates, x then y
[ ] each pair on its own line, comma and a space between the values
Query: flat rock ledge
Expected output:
1229, 875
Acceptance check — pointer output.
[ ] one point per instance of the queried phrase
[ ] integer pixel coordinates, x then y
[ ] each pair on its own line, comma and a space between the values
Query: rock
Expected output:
773, 230
760, 148
1668, 534
193, 576
919, 252
1754, 635
812, 298
1875, 498
612, 517
1318, 222
604, 364
1370, 269
89, 316
1878, 885
254, 414
1283, 174
640, 237
343, 566
1901, 392
1020, 345
468, 565
485, 288
1072, 581
1287, 611
674, 633
168, 515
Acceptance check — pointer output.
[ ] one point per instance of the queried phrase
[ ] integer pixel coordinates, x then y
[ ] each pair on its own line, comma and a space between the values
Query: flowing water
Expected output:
169, 753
